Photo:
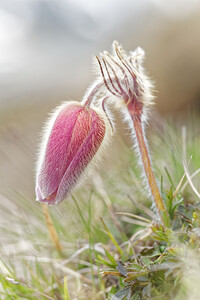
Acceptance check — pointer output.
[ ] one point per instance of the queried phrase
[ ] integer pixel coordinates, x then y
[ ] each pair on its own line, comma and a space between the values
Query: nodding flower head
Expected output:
74, 135
124, 78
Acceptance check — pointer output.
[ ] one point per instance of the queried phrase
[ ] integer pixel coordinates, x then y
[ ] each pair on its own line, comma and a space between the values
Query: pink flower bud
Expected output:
74, 135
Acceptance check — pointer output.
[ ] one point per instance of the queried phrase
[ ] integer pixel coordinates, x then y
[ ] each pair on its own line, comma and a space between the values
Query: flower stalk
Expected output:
148, 168
130, 91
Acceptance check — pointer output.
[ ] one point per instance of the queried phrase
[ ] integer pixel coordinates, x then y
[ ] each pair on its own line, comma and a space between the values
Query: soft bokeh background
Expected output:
46, 49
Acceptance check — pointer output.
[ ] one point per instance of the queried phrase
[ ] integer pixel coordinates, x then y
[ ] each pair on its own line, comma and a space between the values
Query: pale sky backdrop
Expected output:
46, 46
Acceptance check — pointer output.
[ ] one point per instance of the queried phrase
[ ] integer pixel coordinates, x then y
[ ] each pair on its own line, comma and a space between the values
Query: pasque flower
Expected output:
127, 86
77, 132
73, 136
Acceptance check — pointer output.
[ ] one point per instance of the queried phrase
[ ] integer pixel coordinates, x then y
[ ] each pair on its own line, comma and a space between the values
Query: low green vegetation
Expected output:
106, 241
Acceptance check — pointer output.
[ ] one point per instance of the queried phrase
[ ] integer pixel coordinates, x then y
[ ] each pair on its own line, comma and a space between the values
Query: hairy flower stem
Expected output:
147, 167
123, 77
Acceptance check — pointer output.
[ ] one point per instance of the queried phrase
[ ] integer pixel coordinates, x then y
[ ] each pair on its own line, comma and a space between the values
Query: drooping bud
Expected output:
74, 136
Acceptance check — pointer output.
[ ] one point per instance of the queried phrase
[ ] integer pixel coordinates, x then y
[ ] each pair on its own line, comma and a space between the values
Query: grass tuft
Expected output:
108, 243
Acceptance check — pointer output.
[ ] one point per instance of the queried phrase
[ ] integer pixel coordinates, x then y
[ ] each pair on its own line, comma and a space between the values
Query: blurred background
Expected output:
46, 49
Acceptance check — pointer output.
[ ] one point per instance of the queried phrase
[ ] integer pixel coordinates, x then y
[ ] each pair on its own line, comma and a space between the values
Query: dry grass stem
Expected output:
51, 229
